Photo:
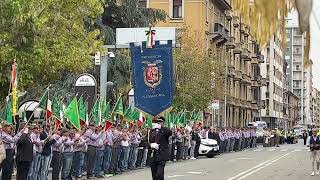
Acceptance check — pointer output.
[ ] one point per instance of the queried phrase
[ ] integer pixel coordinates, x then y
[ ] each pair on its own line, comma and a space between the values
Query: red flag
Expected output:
107, 125
57, 124
141, 120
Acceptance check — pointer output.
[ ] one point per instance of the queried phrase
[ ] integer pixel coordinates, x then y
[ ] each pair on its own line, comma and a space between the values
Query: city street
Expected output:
288, 162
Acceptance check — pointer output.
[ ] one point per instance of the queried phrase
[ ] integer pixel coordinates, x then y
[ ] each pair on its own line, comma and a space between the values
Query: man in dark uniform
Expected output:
24, 155
159, 147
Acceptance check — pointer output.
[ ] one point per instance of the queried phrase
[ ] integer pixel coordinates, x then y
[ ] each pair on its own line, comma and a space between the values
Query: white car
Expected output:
209, 148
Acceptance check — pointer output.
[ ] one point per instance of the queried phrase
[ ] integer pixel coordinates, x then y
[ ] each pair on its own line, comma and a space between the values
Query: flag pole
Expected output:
47, 89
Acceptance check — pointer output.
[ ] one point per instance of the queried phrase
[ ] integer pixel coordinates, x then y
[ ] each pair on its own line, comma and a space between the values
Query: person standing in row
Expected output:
314, 143
8, 142
24, 155
92, 139
56, 155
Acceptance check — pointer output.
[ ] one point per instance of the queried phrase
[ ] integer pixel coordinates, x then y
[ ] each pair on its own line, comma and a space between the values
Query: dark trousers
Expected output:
196, 150
304, 141
115, 159
91, 160
7, 165
157, 170
22, 170
179, 150
56, 164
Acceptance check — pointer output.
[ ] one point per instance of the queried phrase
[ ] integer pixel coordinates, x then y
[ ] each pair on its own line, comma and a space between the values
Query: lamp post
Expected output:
104, 74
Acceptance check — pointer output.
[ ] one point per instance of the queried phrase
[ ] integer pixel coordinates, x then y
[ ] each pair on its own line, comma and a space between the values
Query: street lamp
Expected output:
104, 74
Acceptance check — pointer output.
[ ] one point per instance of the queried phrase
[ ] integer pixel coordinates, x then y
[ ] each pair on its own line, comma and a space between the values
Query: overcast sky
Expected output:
315, 44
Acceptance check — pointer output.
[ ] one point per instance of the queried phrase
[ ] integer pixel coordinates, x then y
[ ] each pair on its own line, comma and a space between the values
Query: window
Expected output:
297, 67
177, 9
142, 3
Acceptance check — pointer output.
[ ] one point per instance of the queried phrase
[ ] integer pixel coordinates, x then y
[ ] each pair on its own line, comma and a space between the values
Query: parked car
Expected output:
209, 148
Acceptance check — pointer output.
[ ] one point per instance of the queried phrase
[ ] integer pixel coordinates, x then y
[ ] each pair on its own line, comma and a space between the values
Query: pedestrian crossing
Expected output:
271, 149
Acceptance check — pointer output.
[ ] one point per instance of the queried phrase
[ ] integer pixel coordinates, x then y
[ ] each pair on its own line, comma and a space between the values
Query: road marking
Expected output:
298, 150
253, 168
175, 176
198, 173
244, 172
269, 150
265, 165
245, 158
283, 150
257, 150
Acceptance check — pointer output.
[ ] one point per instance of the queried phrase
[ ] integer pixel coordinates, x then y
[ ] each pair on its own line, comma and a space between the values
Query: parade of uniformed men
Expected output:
159, 89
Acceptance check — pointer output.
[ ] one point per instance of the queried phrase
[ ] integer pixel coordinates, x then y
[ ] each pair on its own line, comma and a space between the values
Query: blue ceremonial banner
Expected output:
153, 77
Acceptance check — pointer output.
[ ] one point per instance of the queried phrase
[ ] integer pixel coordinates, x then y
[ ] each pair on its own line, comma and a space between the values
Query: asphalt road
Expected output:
288, 162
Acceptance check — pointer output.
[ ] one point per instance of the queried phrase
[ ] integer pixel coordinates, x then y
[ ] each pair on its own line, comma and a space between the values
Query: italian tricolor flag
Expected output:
46, 104
141, 120
150, 37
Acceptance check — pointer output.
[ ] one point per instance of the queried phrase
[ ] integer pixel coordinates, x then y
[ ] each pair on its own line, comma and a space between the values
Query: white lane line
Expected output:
298, 150
244, 172
197, 173
283, 150
258, 169
255, 167
269, 150
175, 176
257, 150
245, 158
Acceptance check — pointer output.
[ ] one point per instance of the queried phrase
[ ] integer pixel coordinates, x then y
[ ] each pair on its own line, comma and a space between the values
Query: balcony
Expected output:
237, 102
230, 100
261, 58
254, 106
245, 53
246, 31
228, 15
254, 83
236, 21
230, 44
242, 28
219, 33
267, 95
238, 49
242, 102
238, 75
254, 60
245, 79
263, 82
231, 71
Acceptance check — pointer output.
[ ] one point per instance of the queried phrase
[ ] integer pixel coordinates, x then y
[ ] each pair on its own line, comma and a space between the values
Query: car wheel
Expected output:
210, 156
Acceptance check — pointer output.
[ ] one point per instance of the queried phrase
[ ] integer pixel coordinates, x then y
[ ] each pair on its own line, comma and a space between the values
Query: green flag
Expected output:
96, 113
118, 108
135, 115
182, 119
82, 109
72, 113
105, 110
148, 122
44, 100
167, 123
8, 111
127, 114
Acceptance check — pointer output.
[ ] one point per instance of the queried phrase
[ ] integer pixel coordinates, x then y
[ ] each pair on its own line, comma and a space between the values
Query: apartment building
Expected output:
290, 110
273, 70
229, 39
299, 76
315, 113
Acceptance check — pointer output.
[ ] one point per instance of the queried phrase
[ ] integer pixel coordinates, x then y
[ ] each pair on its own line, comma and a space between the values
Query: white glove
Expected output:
154, 146
156, 126
26, 130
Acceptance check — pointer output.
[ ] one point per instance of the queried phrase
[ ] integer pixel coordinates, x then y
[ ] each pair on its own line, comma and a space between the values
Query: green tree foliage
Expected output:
48, 38
199, 77
126, 14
